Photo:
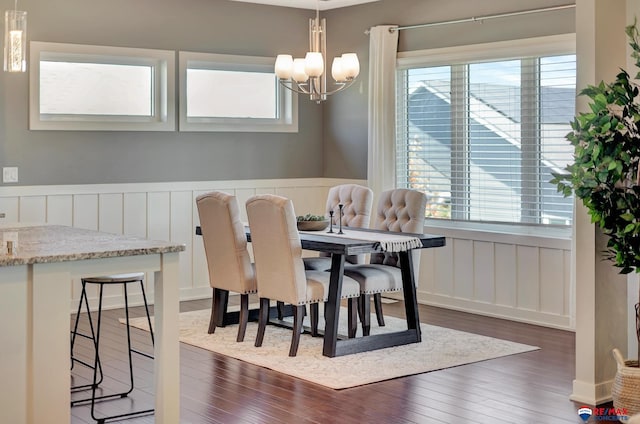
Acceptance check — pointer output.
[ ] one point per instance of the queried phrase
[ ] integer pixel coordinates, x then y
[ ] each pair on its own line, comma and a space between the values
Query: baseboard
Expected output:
591, 394
492, 310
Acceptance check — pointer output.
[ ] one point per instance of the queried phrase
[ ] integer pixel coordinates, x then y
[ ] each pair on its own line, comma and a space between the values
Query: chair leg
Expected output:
298, 317
280, 308
314, 319
218, 309
97, 354
263, 317
353, 317
146, 308
74, 332
129, 350
84, 298
365, 313
244, 316
377, 303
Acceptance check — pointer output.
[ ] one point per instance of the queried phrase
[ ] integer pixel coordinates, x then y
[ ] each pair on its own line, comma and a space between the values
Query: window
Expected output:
80, 87
481, 136
233, 93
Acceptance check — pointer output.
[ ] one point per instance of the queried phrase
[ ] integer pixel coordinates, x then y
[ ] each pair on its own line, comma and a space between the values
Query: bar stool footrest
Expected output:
129, 415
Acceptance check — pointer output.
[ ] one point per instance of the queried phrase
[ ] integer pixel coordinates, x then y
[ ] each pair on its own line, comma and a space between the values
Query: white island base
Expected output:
34, 316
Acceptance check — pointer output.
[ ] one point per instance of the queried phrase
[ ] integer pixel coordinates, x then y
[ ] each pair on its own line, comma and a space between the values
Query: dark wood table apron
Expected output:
339, 248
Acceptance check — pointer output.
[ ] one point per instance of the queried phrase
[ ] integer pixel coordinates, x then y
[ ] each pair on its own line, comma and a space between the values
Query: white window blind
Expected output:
482, 138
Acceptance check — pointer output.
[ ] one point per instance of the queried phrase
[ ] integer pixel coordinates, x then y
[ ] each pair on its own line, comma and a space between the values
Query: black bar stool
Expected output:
123, 279
92, 337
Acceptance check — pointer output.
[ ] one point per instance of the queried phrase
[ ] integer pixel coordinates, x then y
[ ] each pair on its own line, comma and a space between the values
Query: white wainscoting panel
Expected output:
33, 209
135, 209
60, 209
527, 277
484, 289
110, 213
85, 211
463, 271
503, 275
163, 211
492, 274
10, 207
182, 232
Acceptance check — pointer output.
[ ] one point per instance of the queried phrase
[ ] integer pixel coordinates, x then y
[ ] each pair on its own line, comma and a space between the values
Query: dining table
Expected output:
356, 241
37, 266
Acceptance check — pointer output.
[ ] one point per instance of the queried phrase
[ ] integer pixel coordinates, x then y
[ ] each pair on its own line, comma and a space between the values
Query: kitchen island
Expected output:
36, 270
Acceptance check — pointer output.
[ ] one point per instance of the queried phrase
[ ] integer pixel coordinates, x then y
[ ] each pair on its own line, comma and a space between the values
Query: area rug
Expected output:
440, 348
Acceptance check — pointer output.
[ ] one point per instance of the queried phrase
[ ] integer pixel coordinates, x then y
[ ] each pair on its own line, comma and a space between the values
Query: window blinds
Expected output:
481, 139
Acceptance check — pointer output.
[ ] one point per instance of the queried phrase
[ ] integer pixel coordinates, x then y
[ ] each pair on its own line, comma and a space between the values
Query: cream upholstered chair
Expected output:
400, 210
228, 260
280, 270
357, 201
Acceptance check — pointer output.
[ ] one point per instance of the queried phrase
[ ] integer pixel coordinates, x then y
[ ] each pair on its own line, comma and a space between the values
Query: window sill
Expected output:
529, 235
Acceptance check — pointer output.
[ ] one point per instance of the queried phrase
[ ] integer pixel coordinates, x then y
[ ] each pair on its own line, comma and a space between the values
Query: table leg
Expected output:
167, 346
409, 289
397, 338
332, 311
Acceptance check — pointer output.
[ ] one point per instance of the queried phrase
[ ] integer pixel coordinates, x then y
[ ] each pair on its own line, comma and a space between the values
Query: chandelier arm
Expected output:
297, 89
341, 86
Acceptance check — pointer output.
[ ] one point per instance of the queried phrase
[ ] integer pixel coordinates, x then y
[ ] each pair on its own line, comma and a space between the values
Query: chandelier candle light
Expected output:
15, 40
308, 75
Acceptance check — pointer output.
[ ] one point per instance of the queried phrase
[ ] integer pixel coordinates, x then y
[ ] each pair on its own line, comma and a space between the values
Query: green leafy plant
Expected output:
605, 174
310, 217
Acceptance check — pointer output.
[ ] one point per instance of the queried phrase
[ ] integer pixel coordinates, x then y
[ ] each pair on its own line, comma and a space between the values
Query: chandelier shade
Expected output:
308, 75
15, 41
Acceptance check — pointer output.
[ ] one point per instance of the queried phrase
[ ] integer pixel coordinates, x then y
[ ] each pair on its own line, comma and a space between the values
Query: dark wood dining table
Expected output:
341, 246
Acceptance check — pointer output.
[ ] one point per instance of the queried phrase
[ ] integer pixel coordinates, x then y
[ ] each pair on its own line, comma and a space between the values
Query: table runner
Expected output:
385, 242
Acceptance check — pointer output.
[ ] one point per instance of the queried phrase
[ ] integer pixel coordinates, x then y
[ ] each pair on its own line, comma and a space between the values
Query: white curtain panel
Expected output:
383, 48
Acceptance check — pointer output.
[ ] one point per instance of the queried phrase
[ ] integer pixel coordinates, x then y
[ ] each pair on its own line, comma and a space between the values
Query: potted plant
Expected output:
605, 175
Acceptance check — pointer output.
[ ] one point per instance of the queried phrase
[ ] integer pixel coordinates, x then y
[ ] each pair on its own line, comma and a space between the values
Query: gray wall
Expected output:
332, 140
345, 115
216, 26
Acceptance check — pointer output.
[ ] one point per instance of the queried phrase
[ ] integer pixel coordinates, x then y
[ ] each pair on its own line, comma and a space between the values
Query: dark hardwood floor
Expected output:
531, 387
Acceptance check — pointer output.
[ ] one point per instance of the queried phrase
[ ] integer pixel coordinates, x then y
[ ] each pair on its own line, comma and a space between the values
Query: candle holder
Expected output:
341, 206
330, 221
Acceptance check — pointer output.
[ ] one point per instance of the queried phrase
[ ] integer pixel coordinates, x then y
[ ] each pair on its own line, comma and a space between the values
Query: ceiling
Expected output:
310, 4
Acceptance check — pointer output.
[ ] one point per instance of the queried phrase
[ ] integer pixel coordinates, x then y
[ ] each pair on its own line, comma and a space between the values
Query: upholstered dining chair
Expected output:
228, 260
400, 210
280, 270
357, 201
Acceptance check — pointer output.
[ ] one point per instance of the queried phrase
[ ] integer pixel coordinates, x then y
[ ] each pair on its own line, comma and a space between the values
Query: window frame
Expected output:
287, 120
162, 62
486, 52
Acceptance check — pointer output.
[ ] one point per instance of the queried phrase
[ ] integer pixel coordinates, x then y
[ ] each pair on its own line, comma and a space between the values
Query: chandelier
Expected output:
15, 40
308, 75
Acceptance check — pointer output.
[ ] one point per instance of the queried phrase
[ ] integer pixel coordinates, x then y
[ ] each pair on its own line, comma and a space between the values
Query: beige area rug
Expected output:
440, 348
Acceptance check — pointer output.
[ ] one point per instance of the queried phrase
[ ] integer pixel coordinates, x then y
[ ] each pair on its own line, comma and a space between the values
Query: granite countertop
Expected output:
57, 243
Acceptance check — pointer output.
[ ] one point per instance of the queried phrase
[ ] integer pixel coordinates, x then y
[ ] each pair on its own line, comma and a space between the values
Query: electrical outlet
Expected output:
10, 174
3, 215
